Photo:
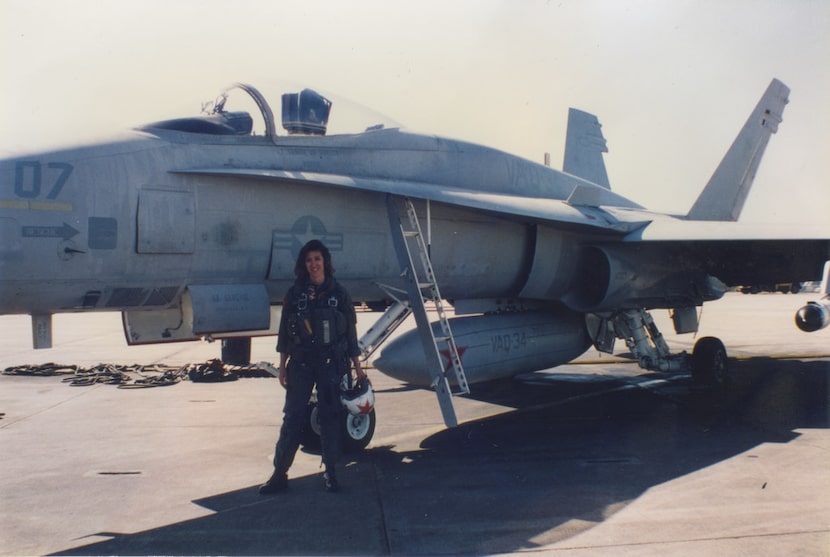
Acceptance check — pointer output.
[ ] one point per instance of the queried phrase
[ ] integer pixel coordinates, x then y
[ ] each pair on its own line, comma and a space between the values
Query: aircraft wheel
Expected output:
311, 435
357, 431
710, 365
236, 351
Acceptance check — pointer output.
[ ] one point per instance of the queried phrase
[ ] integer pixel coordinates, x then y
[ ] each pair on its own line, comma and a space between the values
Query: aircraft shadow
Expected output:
514, 481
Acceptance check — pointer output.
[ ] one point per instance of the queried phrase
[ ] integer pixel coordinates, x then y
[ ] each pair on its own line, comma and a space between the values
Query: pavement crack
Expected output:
384, 525
27, 417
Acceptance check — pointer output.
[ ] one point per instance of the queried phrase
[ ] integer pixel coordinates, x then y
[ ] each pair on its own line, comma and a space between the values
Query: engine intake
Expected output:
653, 276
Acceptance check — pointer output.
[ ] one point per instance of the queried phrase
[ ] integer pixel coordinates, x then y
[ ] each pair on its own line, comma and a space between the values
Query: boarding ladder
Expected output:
422, 288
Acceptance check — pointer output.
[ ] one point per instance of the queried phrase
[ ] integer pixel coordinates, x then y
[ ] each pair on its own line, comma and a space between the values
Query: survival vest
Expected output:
316, 324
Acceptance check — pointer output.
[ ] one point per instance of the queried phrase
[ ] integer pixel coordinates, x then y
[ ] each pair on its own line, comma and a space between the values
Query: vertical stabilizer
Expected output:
584, 146
723, 197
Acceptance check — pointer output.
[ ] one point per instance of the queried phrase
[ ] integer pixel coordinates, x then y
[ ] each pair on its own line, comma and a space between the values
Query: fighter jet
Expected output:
190, 228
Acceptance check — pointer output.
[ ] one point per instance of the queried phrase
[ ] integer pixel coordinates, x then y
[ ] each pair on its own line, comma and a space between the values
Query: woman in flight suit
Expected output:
317, 339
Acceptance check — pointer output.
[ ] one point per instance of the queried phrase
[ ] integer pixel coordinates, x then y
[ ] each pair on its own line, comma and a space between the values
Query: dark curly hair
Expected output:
314, 245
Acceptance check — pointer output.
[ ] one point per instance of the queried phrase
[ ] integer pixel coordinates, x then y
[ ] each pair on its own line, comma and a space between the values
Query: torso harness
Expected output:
316, 325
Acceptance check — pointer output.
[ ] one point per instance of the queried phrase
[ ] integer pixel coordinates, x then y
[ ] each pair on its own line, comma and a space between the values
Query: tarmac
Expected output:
593, 458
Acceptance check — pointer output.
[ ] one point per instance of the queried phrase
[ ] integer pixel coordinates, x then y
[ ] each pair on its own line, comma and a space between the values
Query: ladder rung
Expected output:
411, 233
425, 285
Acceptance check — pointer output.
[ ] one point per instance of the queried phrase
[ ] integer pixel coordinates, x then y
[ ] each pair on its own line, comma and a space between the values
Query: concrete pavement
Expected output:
587, 459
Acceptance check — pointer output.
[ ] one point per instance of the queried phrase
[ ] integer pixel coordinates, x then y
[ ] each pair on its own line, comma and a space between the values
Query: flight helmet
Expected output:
359, 398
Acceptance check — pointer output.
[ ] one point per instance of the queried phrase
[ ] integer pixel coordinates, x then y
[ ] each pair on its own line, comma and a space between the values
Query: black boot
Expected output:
330, 482
277, 483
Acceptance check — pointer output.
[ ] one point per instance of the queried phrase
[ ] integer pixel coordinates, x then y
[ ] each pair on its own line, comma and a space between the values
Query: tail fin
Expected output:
584, 146
723, 197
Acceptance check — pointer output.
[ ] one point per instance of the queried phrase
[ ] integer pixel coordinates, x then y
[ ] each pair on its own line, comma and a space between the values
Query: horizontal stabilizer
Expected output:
724, 196
584, 146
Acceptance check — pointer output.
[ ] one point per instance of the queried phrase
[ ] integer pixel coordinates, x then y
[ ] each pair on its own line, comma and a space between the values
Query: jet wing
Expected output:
740, 254
567, 214
736, 253
664, 228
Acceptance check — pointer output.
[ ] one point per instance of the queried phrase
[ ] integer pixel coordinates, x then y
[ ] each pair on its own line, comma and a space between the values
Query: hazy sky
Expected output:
672, 81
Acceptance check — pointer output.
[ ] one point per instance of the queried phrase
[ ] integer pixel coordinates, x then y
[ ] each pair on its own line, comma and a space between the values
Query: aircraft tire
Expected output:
236, 351
710, 365
357, 431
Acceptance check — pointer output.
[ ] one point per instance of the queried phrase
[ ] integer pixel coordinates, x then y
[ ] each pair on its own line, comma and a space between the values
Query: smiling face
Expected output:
316, 267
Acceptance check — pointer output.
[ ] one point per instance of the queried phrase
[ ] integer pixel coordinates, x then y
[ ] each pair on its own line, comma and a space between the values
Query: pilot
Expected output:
317, 339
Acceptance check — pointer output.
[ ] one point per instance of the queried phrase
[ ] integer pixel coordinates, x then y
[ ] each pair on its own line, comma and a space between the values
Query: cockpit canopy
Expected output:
304, 113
